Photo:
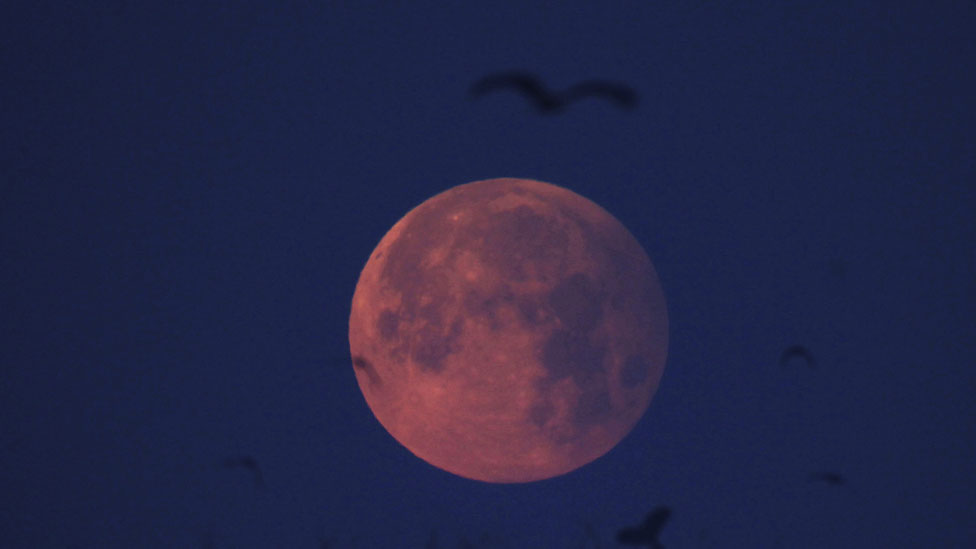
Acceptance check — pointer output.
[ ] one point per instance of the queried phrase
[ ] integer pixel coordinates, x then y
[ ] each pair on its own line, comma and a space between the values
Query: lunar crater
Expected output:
593, 405
388, 324
577, 303
634, 371
565, 354
434, 343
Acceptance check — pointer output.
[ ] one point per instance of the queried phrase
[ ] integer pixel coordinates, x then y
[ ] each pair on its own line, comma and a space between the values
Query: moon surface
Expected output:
508, 330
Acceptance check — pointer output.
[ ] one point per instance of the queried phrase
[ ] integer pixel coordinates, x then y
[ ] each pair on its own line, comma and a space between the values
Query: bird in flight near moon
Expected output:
647, 533
797, 354
547, 101
827, 477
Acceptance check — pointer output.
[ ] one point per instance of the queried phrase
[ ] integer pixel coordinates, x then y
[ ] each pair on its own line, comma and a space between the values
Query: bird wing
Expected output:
648, 531
828, 477
656, 520
620, 94
361, 363
526, 84
248, 463
631, 536
522, 82
797, 351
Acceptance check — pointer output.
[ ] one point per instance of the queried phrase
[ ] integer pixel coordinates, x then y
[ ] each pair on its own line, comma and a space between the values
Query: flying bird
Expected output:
361, 363
546, 101
248, 463
799, 353
828, 477
646, 533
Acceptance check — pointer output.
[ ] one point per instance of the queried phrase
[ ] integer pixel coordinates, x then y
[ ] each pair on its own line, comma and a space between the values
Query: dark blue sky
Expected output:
188, 194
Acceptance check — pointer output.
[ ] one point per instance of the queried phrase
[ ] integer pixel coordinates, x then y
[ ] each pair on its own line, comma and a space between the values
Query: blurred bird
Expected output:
797, 352
544, 100
828, 477
646, 533
361, 363
248, 463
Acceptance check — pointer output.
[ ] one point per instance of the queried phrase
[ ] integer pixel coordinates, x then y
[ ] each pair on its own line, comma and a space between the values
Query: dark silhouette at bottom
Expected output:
646, 534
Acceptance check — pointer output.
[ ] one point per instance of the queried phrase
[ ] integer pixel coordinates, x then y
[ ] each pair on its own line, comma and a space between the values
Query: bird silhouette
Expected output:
248, 463
648, 531
828, 477
798, 352
361, 363
546, 101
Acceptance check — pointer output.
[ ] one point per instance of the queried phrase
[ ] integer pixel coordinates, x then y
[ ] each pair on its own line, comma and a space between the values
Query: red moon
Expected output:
508, 330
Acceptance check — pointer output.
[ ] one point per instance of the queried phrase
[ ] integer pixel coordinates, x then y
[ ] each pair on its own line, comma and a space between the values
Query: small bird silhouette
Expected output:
361, 363
828, 477
248, 463
797, 352
646, 533
544, 100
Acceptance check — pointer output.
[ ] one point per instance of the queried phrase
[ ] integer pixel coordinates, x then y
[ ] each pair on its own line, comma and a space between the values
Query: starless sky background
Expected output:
189, 192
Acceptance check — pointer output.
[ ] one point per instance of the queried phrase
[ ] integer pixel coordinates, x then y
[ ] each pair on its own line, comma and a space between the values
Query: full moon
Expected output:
508, 330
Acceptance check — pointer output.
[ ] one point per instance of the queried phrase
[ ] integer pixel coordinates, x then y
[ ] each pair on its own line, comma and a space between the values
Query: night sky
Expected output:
189, 192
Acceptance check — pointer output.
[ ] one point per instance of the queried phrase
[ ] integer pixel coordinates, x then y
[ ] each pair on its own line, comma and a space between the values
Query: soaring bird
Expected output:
247, 463
547, 101
797, 352
646, 533
828, 477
